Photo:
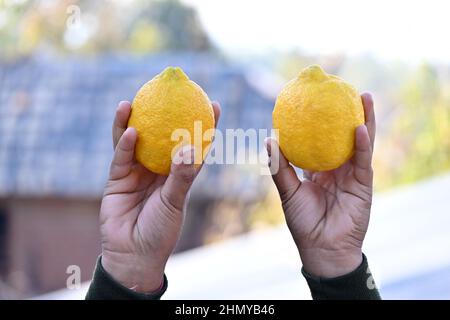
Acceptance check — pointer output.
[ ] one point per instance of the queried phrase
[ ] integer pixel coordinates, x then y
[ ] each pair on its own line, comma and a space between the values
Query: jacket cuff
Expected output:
356, 285
104, 287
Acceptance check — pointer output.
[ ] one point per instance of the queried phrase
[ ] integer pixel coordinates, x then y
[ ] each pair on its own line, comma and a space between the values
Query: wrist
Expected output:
325, 263
134, 272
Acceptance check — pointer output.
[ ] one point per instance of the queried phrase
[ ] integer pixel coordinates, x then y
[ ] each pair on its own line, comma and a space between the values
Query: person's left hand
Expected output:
328, 213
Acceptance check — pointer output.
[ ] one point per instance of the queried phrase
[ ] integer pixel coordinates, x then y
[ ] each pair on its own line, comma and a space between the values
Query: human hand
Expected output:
328, 212
142, 212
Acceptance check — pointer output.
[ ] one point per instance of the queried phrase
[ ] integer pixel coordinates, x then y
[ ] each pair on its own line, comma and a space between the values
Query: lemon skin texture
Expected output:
316, 115
168, 102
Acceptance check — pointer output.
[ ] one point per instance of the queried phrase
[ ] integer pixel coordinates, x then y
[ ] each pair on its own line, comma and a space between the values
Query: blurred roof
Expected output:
56, 115
408, 248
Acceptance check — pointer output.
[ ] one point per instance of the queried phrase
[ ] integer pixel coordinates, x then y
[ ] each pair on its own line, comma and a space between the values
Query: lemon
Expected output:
316, 115
167, 104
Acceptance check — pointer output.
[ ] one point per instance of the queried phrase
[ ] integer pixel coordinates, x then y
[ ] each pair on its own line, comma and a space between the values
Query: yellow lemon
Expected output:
316, 115
170, 111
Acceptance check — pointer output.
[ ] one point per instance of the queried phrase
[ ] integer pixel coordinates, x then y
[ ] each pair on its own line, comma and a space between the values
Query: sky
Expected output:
394, 29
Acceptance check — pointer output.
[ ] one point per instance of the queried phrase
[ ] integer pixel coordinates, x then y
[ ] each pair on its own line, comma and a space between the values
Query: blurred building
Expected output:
55, 148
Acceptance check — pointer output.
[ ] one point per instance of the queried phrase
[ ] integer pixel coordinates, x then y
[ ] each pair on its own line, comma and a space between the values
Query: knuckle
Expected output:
170, 204
187, 174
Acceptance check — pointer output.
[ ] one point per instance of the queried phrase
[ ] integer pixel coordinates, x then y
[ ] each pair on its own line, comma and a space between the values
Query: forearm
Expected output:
356, 285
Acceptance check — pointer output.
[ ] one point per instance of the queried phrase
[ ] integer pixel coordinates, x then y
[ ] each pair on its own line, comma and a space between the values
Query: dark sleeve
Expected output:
104, 287
357, 285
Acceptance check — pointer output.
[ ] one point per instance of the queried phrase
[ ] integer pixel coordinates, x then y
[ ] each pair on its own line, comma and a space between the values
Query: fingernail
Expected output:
121, 103
131, 129
368, 95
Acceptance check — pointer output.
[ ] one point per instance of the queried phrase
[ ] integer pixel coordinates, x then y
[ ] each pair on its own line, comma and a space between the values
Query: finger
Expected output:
369, 115
182, 173
120, 121
283, 174
362, 159
217, 110
307, 174
124, 155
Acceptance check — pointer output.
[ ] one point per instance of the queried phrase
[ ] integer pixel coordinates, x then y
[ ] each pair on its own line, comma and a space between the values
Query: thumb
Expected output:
182, 174
283, 174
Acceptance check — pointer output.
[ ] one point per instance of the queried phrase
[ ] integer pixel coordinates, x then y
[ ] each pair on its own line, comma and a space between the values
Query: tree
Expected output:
144, 27
416, 142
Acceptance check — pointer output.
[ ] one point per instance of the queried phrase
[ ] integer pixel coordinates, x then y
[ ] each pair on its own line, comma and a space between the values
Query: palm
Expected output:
130, 207
330, 207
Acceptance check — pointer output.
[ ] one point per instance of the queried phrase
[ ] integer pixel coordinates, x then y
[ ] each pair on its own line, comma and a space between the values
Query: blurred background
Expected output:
64, 66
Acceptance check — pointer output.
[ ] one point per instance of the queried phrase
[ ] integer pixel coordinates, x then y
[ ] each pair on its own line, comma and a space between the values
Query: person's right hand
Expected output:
142, 212
328, 213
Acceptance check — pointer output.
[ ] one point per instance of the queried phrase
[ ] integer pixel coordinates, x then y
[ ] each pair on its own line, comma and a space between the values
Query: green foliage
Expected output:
177, 24
140, 27
145, 37
420, 134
